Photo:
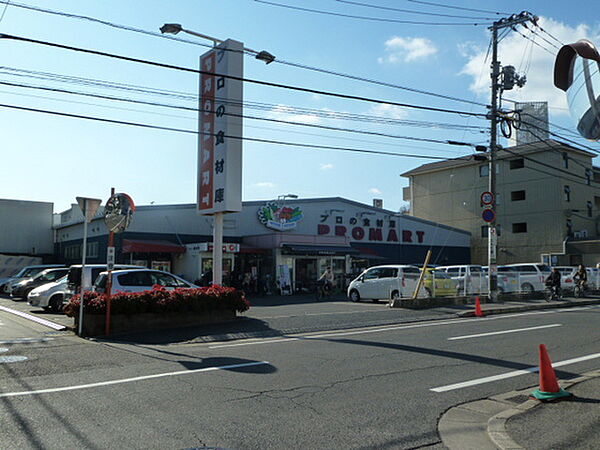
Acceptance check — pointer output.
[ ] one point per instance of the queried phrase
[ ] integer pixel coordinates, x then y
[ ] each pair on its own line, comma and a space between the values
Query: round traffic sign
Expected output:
488, 215
487, 198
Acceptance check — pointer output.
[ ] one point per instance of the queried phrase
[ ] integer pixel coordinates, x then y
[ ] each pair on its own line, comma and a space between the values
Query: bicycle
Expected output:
552, 293
579, 289
323, 290
508, 121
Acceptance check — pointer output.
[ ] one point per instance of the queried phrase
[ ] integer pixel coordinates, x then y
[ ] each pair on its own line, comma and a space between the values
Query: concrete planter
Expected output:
94, 324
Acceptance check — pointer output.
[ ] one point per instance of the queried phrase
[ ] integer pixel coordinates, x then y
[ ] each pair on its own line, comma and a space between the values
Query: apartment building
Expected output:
548, 202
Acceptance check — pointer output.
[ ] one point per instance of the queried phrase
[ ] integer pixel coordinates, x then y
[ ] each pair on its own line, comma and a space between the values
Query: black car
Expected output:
22, 289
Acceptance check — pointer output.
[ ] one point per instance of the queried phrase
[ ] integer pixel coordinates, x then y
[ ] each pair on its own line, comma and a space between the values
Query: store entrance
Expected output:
306, 274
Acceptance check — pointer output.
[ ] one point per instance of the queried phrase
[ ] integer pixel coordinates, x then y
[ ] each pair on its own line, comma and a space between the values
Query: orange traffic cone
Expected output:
549, 387
478, 311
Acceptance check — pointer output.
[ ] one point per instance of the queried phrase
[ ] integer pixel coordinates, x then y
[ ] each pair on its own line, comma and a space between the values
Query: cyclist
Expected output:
553, 283
327, 280
581, 278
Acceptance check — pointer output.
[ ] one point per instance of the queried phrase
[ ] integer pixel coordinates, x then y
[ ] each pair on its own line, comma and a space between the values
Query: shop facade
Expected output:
272, 246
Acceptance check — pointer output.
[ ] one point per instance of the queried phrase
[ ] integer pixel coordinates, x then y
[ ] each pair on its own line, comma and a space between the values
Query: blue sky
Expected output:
55, 159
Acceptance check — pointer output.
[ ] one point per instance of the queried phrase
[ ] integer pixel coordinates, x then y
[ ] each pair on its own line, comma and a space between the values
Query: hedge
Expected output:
161, 300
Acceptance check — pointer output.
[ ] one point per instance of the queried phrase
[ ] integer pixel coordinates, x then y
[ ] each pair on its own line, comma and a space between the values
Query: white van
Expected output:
90, 274
471, 278
385, 282
530, 277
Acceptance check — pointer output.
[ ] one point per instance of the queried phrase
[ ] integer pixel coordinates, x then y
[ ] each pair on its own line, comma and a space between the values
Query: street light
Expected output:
174, 28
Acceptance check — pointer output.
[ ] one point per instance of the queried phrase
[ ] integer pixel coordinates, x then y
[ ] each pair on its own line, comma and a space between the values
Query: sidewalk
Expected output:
512, 421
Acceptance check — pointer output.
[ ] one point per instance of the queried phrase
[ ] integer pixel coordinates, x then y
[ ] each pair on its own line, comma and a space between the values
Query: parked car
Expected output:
470, 278
49, 296
593, 274
91, 272
385, 282
135, 280
530, 276
439, 284
567, 277
24, 287
507, 282
25, 272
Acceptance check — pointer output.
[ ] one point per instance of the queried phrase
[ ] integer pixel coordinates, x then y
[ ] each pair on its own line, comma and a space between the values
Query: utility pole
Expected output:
497, 87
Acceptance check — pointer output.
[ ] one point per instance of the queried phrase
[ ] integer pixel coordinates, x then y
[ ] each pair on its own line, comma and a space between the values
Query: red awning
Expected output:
138, 246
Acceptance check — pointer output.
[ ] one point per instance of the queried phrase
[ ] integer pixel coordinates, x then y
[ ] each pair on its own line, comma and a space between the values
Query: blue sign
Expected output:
488, 215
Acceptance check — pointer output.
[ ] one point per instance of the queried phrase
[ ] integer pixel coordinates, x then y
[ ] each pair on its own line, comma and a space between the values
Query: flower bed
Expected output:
158, 308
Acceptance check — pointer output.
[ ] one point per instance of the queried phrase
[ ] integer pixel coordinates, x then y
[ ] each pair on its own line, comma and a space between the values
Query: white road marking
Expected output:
39, 320
512, 374
293, 338
493, 333
26, 341
12, 359
129, 380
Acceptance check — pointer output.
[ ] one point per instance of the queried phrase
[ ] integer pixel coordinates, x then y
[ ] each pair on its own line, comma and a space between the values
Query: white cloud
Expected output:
399, 49
515, 50
326, 166
265, 184
375, 191
287, 113
387, 110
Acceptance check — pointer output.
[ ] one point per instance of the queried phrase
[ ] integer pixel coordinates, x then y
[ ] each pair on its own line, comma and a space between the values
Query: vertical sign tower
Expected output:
220, 140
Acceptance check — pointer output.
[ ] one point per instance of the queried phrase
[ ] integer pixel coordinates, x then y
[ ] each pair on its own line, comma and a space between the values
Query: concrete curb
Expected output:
497, 429
481, 424
541, 306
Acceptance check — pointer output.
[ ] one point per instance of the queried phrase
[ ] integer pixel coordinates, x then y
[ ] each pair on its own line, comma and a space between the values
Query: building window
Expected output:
517, 196
517, 163
565, 158
520, 227
588, 176
484, 170
569, 227
589, 209
567, 193
92, 250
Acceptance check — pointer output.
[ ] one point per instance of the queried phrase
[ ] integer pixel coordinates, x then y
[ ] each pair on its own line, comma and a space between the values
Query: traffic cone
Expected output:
478, 311
549, 388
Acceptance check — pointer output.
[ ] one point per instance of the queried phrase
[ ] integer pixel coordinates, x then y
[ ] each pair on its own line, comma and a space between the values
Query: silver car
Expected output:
49, 296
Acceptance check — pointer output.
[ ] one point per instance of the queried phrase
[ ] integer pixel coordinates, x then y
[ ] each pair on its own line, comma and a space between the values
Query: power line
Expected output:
375, 19
549, 166
232, 77
412, 11
328, 114
4, 10
286, 122
535, 43
244, 138
544, 31
552, 44
441, 5
278, 60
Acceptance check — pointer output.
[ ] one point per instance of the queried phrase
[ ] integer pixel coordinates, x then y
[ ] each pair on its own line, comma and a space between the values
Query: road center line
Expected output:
493, 333
515, 373
129, 380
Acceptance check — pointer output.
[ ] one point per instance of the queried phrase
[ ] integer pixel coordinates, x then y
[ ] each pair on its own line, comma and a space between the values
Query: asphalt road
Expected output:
383, 387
